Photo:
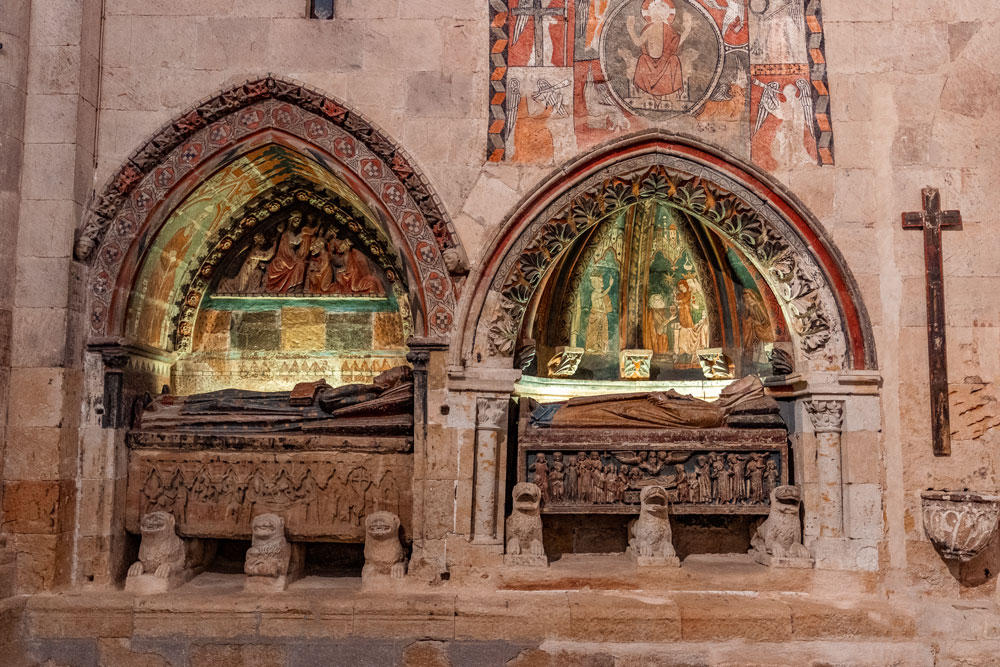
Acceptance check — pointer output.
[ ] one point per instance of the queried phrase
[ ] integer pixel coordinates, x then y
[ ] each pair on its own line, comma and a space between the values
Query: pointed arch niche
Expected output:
268, 235
666, 247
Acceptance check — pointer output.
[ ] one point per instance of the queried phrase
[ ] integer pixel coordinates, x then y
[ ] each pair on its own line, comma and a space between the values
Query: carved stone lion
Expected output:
162, 556
384, 555
524, 527
651, 540
778, 541
270, 552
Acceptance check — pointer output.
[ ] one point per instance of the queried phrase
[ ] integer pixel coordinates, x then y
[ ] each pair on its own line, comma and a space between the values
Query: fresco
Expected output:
568, 74
652, 282
198, 218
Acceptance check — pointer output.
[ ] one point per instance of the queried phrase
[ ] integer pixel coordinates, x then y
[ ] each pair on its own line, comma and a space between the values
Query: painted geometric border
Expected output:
495, 141
815, 48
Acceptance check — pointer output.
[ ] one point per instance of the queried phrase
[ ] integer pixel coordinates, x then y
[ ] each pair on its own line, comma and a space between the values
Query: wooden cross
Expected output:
536, 11
932, 220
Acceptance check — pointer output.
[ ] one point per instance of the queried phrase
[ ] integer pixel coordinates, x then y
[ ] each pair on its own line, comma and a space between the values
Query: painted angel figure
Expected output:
793, 107
734, 17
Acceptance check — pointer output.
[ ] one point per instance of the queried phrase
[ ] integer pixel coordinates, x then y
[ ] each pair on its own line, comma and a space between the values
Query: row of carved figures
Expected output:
719, 478
236, 496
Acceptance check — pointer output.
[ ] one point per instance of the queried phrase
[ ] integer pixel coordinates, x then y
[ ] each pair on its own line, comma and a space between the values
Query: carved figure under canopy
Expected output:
385, 406
649, 409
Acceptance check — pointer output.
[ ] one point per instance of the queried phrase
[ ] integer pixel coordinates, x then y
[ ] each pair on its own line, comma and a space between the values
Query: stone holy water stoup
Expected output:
165, 560
959, 523
650, 538
272, 562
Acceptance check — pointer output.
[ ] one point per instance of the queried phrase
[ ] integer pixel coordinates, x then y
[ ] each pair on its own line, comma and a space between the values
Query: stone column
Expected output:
827, 418
491, 420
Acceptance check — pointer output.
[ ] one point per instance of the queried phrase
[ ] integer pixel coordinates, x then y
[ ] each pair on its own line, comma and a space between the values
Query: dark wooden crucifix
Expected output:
534, 10
932, 220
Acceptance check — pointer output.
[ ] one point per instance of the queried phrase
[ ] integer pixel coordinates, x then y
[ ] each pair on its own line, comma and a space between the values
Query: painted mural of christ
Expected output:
658, 70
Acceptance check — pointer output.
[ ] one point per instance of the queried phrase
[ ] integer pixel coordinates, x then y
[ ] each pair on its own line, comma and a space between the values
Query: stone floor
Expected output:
592, 611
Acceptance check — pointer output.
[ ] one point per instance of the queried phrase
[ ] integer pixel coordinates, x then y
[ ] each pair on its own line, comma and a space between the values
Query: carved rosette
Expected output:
960, 524
729, 208
634, 364
826, 416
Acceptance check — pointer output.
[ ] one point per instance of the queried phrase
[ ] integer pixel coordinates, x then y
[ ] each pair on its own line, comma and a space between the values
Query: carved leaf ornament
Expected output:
724, 212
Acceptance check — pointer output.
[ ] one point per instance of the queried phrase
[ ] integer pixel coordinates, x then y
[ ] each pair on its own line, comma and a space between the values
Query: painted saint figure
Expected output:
597, 322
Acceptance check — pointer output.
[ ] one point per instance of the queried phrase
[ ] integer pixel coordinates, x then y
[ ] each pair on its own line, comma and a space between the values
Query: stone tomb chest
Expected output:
594, 455
320, 457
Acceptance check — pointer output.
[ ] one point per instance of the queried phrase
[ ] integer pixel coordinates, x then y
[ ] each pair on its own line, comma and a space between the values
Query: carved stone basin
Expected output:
960, 523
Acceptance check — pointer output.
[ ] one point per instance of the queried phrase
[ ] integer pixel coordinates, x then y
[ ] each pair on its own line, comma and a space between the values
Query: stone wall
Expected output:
911, 87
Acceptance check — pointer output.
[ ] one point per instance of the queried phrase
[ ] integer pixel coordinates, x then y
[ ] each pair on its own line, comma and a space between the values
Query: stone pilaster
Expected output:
491, 424
827, 417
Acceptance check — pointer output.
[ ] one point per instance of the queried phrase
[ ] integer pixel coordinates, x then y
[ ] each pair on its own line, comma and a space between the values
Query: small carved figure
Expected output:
683, 486
770, 477
651, 540
596, 478
540, 475
778, 541
572, 475
582, 478
738, 463
557, 490
162, 557
755, 470
384, 555
702, 490
524, 528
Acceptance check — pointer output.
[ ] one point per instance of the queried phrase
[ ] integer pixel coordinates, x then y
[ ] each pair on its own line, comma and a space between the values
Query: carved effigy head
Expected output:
527, 497
786, 499
654, 501
382, 526
156, 523
267, 528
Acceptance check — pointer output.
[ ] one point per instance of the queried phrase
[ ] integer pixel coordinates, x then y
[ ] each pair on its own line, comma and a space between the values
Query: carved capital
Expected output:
826, 416
491, 414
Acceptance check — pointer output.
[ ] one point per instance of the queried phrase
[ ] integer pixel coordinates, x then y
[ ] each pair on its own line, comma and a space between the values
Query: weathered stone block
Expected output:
302, 329
348, 331
255, 331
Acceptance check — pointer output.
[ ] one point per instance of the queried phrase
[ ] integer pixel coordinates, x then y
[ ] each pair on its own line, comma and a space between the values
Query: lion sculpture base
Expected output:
778, 541
524, 529
650, 538
272, 562
165, 560
385, 558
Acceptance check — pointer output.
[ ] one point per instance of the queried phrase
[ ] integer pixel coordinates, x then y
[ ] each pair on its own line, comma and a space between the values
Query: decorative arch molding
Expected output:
819, 297
139, 197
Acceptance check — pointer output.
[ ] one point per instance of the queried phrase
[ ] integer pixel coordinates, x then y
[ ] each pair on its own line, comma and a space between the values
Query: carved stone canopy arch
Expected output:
138, 198
815, 291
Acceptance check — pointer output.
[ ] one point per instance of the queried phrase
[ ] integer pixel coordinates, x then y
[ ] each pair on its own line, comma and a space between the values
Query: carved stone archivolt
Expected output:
204, 135
705, 196
320, 495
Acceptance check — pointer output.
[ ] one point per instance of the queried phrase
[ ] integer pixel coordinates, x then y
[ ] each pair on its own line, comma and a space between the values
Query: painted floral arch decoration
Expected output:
124, 213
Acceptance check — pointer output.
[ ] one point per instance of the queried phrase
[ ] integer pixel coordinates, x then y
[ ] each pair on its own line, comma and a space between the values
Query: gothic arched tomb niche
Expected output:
651, 280
271, 272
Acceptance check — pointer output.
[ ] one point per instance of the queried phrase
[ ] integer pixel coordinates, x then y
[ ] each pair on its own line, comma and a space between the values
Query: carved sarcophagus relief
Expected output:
321, 458
597, 454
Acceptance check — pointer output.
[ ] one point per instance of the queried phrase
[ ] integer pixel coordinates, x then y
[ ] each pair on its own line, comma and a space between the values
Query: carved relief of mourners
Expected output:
710, 457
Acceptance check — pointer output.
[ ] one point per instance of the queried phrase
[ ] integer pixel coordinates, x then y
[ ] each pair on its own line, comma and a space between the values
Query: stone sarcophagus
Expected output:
596, 454
321, 458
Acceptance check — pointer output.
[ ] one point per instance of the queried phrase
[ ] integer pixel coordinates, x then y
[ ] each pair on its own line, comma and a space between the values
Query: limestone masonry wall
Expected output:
913, 85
